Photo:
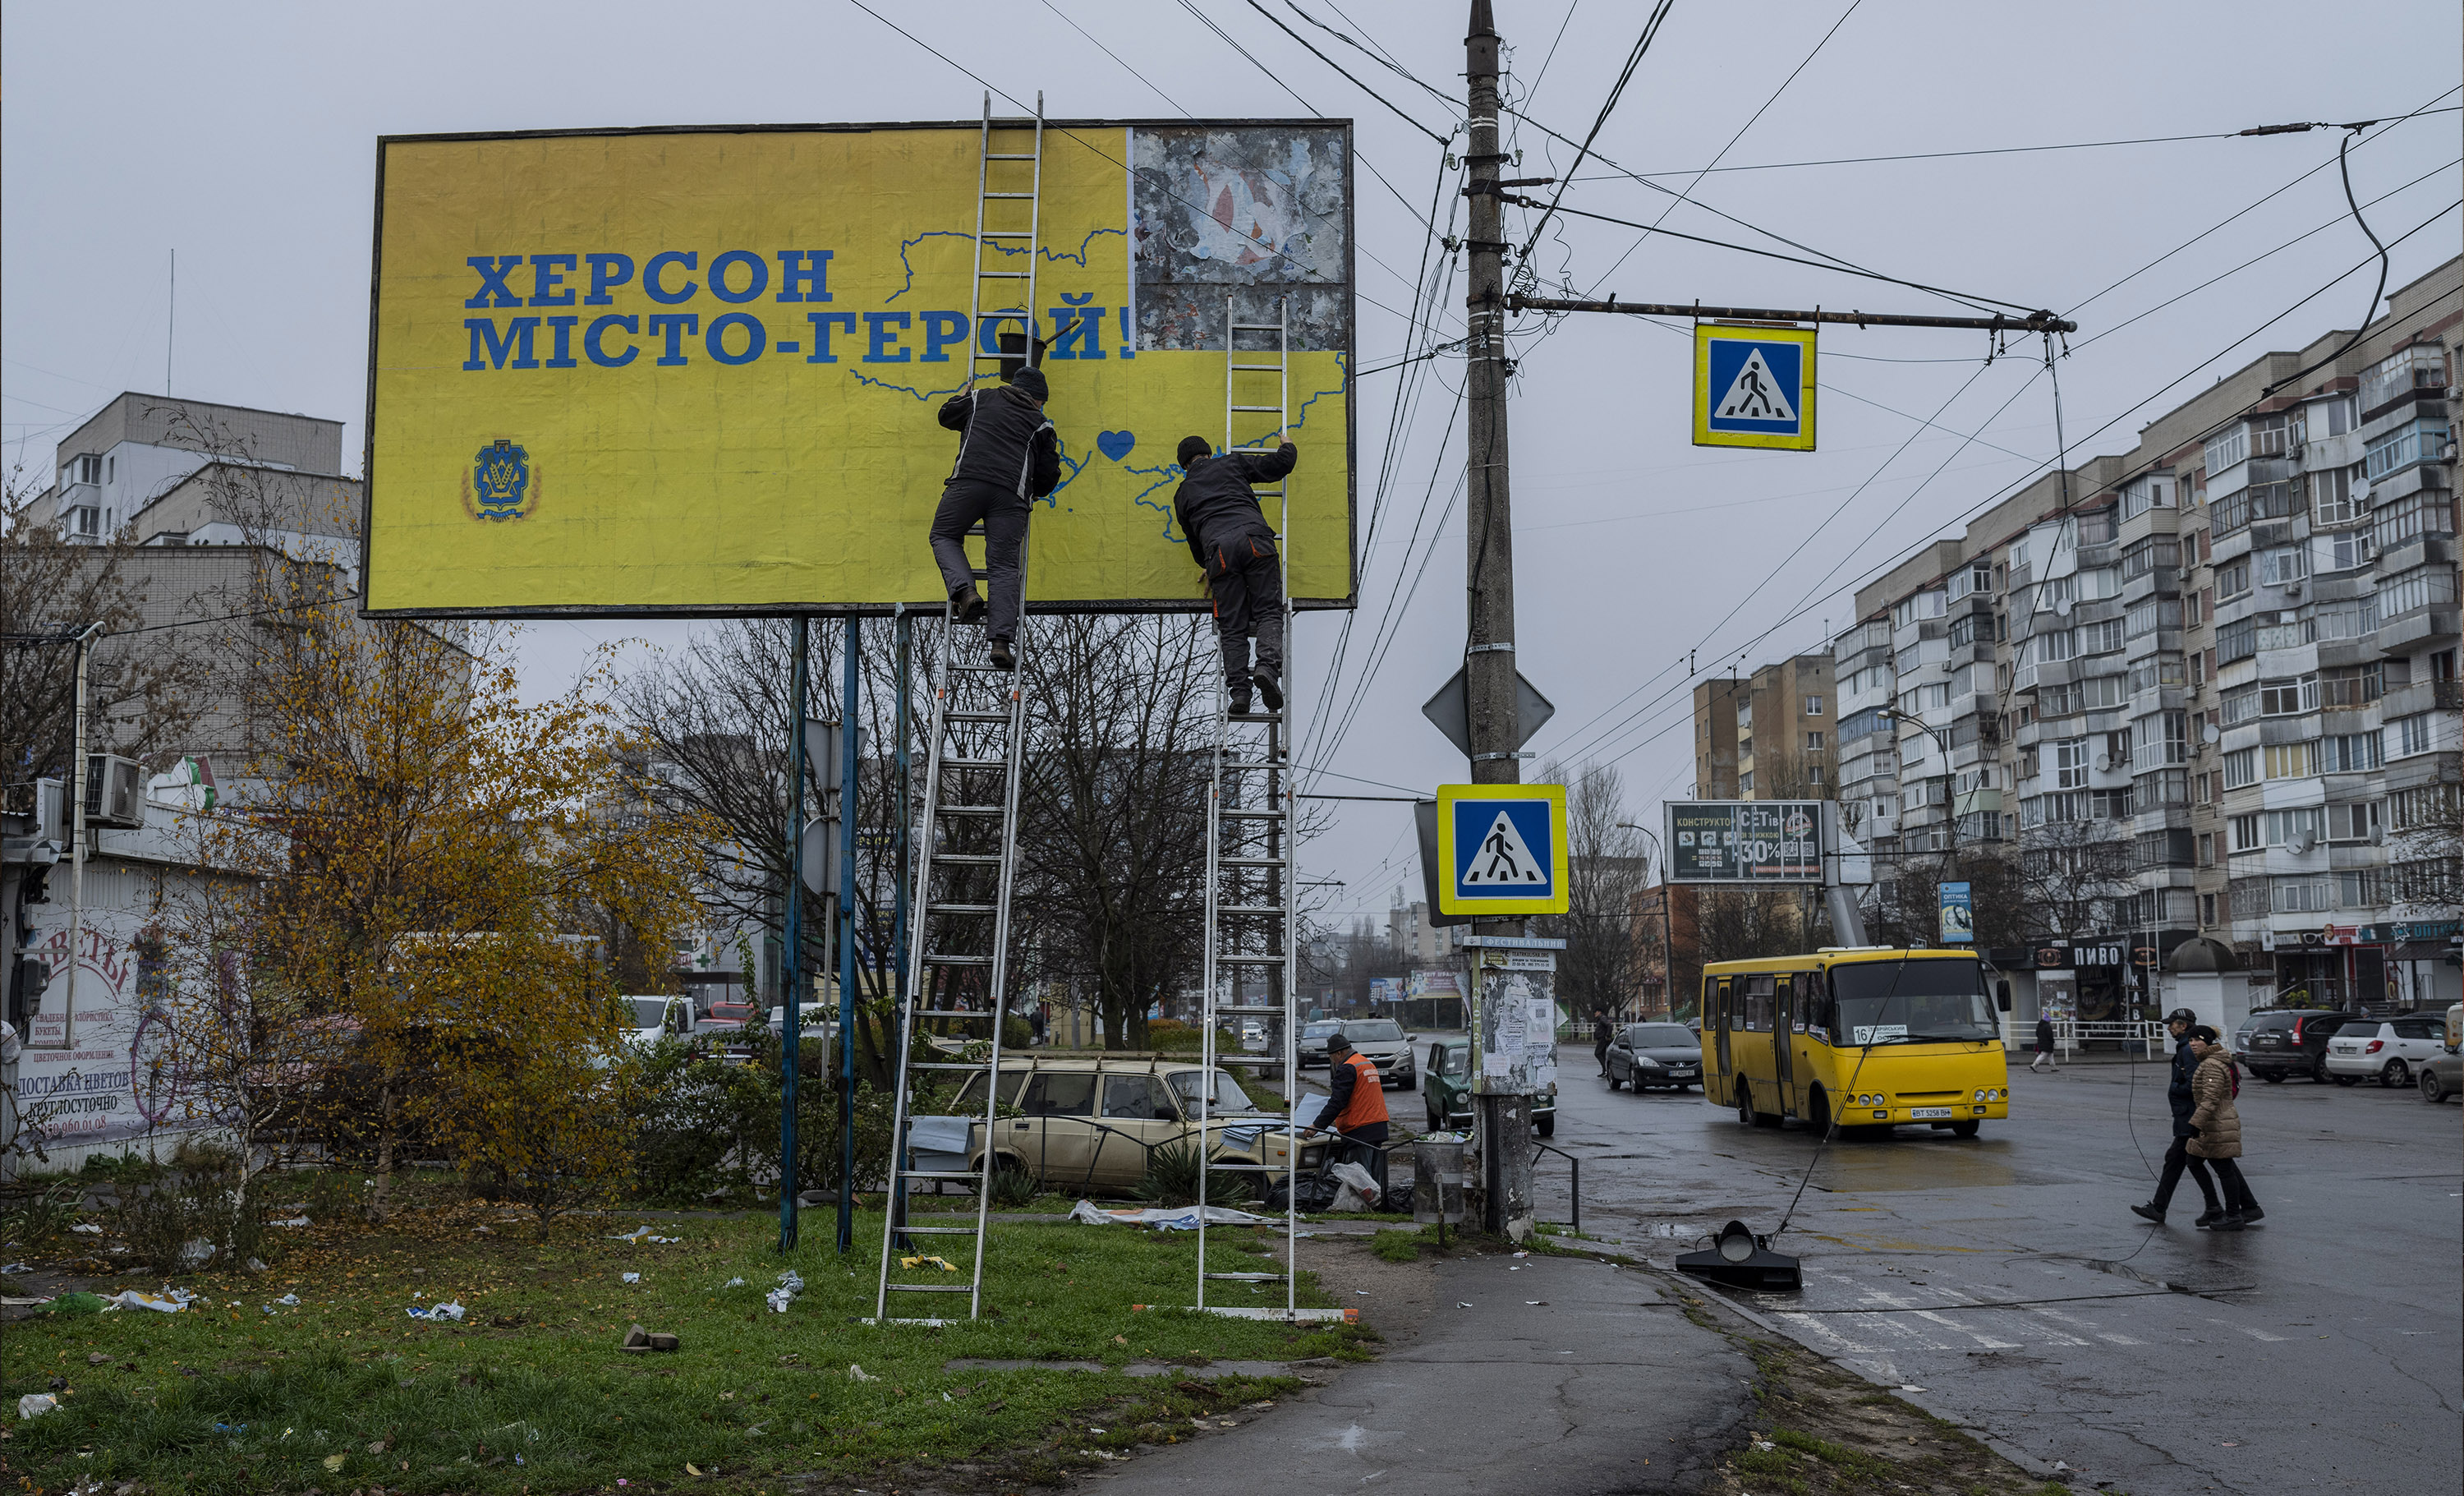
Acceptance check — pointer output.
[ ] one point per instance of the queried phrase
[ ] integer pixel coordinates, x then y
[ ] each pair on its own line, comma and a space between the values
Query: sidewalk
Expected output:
1604, 1385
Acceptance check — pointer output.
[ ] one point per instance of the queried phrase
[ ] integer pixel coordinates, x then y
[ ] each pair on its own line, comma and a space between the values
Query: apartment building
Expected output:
1771, 734
2204, 688
1417, 942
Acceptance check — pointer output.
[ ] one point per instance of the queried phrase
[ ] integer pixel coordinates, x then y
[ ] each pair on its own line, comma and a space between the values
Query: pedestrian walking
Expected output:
1603, 1032
2178, 1157
1355, 1105
2217, 1123
1008, 457
1230, 538
2045, 1060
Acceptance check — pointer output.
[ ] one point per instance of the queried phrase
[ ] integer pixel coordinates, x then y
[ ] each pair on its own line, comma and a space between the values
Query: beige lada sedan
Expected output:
1089, 1122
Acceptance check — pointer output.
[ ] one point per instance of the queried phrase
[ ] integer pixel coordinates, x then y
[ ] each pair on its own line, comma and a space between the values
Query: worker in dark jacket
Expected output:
2185, 1102
1230, 539
1008, 457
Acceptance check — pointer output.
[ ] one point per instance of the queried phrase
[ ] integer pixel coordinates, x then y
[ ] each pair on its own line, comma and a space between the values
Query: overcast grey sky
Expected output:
243, 137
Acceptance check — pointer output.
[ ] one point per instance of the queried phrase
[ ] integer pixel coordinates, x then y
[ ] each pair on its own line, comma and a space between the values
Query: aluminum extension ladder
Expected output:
959, 941
996, 200
1252, 919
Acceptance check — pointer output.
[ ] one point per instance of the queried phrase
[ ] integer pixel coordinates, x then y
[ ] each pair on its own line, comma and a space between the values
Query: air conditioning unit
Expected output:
115, 791
43, 802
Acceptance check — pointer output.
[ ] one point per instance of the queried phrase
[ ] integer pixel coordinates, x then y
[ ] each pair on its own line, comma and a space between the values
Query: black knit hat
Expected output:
1193, 447
1032, 382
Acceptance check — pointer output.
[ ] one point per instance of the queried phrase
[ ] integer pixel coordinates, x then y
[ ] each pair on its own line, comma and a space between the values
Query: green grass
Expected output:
529, 1393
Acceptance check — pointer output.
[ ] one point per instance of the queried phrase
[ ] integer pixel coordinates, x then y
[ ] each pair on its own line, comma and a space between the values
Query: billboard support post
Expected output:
790, 1026
850, 647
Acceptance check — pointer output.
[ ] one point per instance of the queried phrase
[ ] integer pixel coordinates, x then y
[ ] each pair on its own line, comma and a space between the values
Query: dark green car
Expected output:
1445, 1087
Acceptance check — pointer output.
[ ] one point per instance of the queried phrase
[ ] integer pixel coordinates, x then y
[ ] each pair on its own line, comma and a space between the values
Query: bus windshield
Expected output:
1935, 1000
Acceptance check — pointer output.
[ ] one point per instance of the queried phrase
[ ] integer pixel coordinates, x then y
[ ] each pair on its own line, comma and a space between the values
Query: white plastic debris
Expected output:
632, 1277
87, 1228
792, 1281
292, 1299
735, 1283
778, 1299
1359, 1191
34, 1405
165, 1303
295, 1221
196, 1252
857, 1372
442, 1311
14, 1268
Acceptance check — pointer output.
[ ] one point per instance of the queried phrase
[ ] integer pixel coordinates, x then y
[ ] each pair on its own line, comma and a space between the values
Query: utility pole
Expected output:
1491, 697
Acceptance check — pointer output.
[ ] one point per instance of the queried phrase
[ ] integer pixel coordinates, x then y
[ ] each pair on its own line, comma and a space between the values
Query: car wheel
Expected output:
1744, 1104
1613, 1078
1546, 1127
2319, 1070
1819, 1112
2272, 1077
1410, 1082
2432, 1090
2395, 1075
1966, 1129
2345, 1080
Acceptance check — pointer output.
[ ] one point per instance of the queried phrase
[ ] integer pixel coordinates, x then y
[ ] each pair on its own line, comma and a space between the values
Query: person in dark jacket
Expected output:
2181, 1094
1230, 539
1356, 1107
1008, 457
2044, 1045
1603, 1033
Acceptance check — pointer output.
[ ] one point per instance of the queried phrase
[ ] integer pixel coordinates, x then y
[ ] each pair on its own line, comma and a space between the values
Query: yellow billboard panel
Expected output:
698, 371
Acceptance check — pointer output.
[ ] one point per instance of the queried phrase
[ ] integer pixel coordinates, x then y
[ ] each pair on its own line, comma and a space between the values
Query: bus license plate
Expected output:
1920, 1113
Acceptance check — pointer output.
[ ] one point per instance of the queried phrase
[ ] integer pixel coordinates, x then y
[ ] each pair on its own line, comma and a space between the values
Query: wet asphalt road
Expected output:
2004, 1275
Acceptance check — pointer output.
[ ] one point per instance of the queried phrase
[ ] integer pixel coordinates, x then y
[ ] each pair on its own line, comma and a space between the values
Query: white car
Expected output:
656, 1019
1383, 1041
2388, 1049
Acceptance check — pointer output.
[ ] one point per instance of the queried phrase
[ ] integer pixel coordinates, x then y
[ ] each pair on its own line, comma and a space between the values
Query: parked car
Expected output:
1089, 1123
1383, 1041
2442, 1075
657, 1018
2274, 1043
2385, 1048
1448, 1095
1313, 1041
1645, 1055
1253, 1037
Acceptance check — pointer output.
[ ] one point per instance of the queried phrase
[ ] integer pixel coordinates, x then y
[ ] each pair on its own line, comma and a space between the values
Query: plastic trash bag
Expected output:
1359, 1192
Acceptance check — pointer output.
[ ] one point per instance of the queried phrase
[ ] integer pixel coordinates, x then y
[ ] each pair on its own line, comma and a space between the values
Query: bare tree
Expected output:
2069, 874
1607, 866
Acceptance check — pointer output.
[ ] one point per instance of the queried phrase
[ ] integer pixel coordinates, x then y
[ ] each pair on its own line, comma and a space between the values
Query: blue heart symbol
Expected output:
1115, 445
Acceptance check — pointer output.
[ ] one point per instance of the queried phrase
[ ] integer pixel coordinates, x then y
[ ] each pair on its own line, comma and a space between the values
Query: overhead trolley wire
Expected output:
1339, 68
1116, 57
1608, 106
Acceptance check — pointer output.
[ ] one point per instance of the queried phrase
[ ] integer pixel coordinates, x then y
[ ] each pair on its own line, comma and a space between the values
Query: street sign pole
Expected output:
1490, 685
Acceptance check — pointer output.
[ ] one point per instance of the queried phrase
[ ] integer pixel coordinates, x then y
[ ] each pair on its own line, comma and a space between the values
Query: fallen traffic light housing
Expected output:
1739, 1259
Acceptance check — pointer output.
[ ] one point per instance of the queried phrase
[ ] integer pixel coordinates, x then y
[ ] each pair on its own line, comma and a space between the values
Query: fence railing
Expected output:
2075, 1034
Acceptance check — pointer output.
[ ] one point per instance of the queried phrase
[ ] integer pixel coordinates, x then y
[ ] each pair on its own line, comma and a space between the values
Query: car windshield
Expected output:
1932, 999
1374, 1031
1319, 1030
648, 1012
1664, 1036
1228, 1095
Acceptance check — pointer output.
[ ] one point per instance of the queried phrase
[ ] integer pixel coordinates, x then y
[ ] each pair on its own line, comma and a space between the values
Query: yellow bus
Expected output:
1868, 1037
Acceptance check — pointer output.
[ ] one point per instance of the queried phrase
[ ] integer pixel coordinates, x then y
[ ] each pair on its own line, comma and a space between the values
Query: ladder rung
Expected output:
1001, 274
1258, 763
1239, 960
950, 1064
930, 1288
943, 958
1256, 716
931, 909
1007, 233
1249, 815
940, 1174
1009, 194
974, 716
974, 763
1257, 368
1256, 327
1008, 156
970, 859
982, 669
1252, 909
968, 810
1247, 862
935, 1230
1246, 1277
956, 1013
1260, 410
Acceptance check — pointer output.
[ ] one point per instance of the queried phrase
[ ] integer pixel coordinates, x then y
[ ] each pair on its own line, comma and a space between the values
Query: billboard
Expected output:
1745, 841
696, 371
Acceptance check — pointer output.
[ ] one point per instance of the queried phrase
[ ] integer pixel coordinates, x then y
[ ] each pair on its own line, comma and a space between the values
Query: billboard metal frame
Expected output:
1823, 852
1198, 605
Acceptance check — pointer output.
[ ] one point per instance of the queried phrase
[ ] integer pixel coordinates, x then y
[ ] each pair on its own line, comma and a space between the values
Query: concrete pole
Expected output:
1490, 679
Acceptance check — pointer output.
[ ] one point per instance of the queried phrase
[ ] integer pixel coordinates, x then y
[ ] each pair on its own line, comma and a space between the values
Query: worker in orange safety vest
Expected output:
1355, 1108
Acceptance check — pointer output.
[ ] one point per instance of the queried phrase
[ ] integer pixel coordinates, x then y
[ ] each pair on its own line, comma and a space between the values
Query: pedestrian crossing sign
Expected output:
1502, 848
1753, 386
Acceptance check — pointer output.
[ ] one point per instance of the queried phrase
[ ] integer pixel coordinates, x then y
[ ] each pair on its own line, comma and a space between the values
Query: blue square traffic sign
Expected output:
1753, 386
1502, 849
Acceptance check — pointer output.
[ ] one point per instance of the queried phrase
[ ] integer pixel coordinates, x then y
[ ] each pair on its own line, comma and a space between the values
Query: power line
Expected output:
1116, 57
1339, 68
1608, 106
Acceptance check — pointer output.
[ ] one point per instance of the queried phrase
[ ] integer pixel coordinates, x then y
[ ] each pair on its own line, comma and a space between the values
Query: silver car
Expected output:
1313, 1041
1387, 1047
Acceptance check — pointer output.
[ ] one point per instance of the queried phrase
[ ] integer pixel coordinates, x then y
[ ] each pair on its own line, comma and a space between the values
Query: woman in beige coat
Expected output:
2219, 1123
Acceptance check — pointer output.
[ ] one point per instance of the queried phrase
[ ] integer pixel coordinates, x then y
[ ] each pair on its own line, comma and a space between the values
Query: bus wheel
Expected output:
1744, 1104
1819, 1117
1963, 1129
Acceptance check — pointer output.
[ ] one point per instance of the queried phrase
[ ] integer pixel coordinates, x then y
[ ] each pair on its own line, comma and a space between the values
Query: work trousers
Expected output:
1366, 1146
1245, 577
2176, 1159
1003, 513
2238, 1196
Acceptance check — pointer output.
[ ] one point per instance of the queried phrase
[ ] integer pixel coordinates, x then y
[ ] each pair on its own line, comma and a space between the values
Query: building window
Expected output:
2304, 895
2420, 587
2351, 687
2347, 620
2355, 821
2346, 753
2233, 580
2280, 568
2207, 908
2070, 763
2331, 495
1813, 742
2408, 736
2241, 768
2289, 697
2207, 848
2410, 809
2289, 760
2397, 377
2248, 833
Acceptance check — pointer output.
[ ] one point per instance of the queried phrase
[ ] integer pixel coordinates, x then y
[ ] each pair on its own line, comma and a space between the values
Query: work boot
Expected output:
1270, 687
2148, 1213
968, 604
1003, 657
1241, 702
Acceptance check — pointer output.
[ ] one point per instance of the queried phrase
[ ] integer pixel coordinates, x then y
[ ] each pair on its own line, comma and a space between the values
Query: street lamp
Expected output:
1951, 797
1667, 925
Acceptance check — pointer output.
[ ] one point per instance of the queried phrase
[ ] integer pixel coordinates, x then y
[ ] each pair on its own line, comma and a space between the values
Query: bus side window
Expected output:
1758, 1003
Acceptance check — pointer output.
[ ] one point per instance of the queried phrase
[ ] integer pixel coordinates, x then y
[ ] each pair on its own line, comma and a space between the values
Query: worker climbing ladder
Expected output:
958, 967
1252, 921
